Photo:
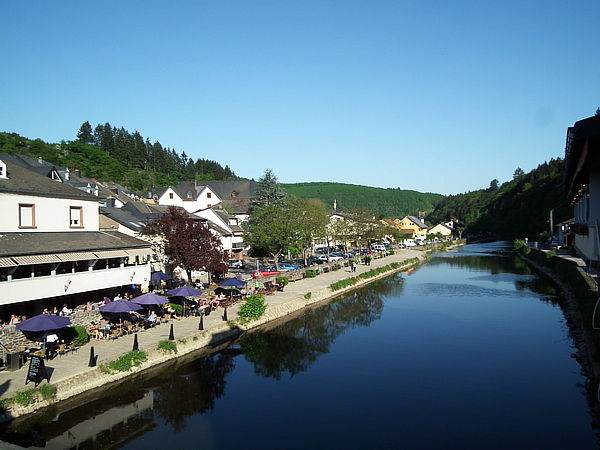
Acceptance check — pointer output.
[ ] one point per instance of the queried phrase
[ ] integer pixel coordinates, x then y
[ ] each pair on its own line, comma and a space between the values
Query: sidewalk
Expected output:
73, 367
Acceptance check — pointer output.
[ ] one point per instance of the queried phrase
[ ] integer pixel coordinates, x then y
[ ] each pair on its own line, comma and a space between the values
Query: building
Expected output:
581, 180
52, 251
413, 225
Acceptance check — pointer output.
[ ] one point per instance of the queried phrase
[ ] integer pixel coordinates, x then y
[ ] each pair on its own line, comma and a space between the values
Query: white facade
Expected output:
31, 214
191, 201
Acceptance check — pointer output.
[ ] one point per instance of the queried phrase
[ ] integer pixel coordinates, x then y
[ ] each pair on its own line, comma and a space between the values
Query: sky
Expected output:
432, 96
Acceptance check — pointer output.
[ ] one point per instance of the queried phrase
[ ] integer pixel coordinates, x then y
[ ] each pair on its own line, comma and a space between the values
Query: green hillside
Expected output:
386, 203
519, 207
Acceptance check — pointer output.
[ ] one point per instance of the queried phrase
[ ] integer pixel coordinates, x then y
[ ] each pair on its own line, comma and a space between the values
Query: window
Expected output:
208, 194
234, 194
170, 196
76, 217
190, 195
26, 216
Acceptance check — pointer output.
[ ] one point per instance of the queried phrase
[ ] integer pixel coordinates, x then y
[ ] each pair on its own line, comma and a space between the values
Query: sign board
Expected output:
37, 370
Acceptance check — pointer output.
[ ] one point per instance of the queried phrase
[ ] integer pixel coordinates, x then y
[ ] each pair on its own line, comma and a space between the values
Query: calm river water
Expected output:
469, 351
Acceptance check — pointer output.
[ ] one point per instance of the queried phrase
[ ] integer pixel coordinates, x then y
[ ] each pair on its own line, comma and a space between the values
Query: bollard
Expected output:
92, 362
136, 347
171, 335
201, 324
225, 315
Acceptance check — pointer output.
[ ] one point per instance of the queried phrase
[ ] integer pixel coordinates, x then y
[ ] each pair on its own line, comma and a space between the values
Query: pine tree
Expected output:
268, 192
85, 134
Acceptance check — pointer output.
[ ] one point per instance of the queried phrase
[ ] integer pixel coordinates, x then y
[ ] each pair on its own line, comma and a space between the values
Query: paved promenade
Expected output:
71, 373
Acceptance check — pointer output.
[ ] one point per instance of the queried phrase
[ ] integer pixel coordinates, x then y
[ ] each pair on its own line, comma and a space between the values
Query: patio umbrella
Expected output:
232, 282
159, 276
183, 291
120, 306
44, 322
150, 299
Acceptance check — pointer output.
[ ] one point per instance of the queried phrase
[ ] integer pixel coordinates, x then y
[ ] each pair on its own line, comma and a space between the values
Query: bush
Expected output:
308, 295
310, 273
253, 308
282, 280
126, 361
76, 334
177, 308
167, 346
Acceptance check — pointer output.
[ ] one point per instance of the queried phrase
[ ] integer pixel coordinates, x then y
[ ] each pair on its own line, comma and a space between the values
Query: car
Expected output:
237, 263
287, 266
265, 272
315, 260
327, 258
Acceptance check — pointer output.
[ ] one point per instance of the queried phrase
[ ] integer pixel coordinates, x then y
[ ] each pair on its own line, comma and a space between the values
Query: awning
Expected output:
139, 251
76, 256
36, 259
110, 253
6, 262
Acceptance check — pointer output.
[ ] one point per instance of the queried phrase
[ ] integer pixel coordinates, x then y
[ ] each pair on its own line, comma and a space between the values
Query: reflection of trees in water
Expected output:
491, 263
193, 390
293, 347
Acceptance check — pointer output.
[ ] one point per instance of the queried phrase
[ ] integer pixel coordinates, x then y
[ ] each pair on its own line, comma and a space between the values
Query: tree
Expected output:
518, 173
85, 134
268, 192
270, 230
310, 221
189, 243
494, 185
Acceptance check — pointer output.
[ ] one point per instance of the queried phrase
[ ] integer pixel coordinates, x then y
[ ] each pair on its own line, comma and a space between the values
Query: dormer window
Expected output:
3, 170
234, 194
190, 195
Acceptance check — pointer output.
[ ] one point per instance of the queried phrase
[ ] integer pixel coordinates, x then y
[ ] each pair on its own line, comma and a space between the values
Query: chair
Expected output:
114, 334
21, 348
130, 329
62, 349
40, 353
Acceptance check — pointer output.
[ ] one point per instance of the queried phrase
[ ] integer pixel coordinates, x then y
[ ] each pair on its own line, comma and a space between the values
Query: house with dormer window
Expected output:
414, 226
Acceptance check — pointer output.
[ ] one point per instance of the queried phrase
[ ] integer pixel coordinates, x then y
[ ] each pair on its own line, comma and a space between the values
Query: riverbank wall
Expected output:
79, 381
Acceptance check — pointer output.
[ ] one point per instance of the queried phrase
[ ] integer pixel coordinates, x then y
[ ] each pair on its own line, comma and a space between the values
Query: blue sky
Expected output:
432, 96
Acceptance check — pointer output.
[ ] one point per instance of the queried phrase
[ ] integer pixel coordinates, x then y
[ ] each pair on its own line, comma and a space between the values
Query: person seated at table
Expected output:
152, 317
55, 311
66, 311
45, 311
94, 330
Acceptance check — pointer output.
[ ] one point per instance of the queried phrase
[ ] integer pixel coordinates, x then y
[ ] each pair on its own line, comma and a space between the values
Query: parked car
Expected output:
315, 260
287, 266
324, 258
237, 263
265, 272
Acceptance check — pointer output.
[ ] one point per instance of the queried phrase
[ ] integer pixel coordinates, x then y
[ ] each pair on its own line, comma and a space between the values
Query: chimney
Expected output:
40, 160
110, 202
77, 173
114, 190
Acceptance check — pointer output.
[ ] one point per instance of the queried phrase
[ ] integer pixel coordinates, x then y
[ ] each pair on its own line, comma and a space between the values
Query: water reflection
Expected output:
445, 376
294, 346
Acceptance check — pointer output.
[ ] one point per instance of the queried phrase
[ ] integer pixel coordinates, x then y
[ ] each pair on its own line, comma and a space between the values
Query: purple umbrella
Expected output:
150, 299
184, 291
159, 276
232, 282
44, 322
120, 306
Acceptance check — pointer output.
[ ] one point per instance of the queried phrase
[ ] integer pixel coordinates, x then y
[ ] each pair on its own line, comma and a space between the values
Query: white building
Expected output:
51, 249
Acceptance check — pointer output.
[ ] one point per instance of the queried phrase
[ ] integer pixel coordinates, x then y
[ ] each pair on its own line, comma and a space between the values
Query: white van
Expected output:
409, 242
379, 248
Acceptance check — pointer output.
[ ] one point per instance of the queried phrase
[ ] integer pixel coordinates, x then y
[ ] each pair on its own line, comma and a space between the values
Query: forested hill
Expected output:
387, 203
519, 207
110, 154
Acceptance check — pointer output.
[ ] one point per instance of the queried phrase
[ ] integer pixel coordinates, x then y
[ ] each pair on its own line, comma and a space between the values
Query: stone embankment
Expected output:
76, 381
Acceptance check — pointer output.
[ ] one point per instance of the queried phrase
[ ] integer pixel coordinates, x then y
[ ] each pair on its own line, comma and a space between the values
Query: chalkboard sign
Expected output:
37, 371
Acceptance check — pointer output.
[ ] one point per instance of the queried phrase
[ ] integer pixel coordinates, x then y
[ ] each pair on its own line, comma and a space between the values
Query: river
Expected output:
468, 351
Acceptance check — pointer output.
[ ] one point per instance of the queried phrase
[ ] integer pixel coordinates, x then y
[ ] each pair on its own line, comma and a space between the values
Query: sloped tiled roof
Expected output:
24, 181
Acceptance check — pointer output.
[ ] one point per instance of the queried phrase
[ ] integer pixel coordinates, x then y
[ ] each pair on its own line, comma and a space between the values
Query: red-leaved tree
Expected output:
189, 243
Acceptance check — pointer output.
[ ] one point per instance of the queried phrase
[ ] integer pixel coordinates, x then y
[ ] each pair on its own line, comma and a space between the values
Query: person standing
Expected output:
51, 340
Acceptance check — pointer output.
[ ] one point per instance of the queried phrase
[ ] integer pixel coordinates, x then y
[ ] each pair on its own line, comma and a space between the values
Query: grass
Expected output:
30, 396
